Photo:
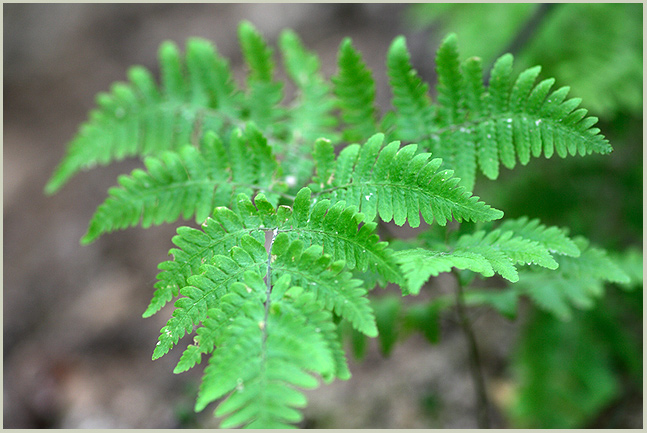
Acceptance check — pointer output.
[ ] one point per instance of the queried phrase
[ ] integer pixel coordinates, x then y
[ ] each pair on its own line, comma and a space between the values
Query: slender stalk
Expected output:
530, 28
268, 291
482, 404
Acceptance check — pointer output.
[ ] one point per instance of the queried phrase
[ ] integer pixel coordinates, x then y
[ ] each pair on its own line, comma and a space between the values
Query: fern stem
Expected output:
482, 404
529, 30
268, 291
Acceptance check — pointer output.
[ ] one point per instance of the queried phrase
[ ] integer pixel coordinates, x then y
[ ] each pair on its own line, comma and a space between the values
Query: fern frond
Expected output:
217, 236
336, 228
396, 184
262, 360
339, 229
554, 239
454, 94
263, 343
578, 282
326, 279
509, 120
420, 264
189, 182
206, 288
210, 334
411, 101
264, 94
504, 250
355, 90
517, 241
139, 118
520, 121
317, 314
311, 114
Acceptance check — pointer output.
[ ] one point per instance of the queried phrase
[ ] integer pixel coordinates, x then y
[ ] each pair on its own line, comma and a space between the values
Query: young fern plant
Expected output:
286, 250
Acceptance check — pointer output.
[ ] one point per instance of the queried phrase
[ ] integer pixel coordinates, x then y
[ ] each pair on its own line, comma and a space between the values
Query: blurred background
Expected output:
77, 353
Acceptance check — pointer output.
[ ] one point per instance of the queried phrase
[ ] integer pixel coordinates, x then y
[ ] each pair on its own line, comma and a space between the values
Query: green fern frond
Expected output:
139, 118
577, 283
264, 94
326, 279
189, 182
265, 338
266, 311
504, 250
297, 300
517, 241
311, 114
261, 361
207, 287
339, 229
419, 264
336, 228
355, 90
197, 93
396, 184
454, 95
509, 119
410, 97
554, 239
217, 236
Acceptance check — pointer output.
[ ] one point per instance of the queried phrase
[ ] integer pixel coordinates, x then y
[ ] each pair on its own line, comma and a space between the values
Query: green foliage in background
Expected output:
288, 195
594, 47
597, 50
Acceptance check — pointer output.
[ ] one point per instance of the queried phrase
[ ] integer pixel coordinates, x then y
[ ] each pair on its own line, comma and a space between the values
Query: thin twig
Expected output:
482, 404
529, 29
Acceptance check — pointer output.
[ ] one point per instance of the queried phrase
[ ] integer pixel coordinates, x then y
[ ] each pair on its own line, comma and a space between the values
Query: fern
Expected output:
410, 97
508, 120
355, 90
139, 118
190, 182
335, 288
335, 228
577, 283
498, 251
264, 94
595, 47
263, 354
312, 117
397, 184
287, 248
207, 300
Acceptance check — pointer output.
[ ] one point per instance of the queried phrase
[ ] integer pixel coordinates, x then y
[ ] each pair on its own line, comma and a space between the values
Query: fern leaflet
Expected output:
189, 182
266, 351
508, 120
355, 90
577, 282
264, 94
396, 184
410, 97
141, 119
515, 242
314, 271
262, 359
310, 114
